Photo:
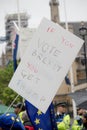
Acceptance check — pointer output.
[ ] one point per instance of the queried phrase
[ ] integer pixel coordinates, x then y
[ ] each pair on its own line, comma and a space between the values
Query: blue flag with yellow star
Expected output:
15, 48
41, 121
10, 121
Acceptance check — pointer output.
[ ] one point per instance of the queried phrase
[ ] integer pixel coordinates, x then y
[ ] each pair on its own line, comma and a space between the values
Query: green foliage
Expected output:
7, 95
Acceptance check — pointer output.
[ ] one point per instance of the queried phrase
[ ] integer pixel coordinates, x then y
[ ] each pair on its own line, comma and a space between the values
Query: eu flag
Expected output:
15, 48
41, 121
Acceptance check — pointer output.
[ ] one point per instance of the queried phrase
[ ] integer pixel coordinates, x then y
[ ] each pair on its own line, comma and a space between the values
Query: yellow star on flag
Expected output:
39, 112
7, 114
12, 118
37, 121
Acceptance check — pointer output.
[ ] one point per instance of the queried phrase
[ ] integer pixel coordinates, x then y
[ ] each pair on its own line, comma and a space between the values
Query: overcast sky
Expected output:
75, 10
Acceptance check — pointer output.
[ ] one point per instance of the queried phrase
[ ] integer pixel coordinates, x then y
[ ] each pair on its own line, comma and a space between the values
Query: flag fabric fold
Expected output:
41, 121
15, 48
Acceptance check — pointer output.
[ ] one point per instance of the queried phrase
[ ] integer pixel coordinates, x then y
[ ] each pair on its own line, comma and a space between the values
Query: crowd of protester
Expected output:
19, 120
63, 119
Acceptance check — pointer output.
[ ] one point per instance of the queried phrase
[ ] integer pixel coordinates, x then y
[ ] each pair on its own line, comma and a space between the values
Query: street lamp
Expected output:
83, 33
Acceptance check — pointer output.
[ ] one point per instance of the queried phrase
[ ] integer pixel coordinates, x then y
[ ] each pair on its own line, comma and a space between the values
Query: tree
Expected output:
7, 95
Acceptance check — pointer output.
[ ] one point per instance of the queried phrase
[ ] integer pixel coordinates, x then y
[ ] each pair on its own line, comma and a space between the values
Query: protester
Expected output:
78, 121
10, 121
84, 118
26, 121
81, 111
19, 109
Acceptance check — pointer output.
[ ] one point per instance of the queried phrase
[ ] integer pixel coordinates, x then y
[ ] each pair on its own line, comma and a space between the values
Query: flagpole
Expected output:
11, 104
71, 71
18, 12
19, 27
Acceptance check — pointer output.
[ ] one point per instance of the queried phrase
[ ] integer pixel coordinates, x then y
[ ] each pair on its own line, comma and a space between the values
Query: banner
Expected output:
45, 64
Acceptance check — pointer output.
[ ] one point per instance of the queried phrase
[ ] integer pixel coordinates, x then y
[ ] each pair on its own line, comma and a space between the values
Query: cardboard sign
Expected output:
45, 64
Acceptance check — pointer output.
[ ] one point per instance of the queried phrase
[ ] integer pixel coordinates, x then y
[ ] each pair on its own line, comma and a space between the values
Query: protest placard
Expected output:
45, 64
